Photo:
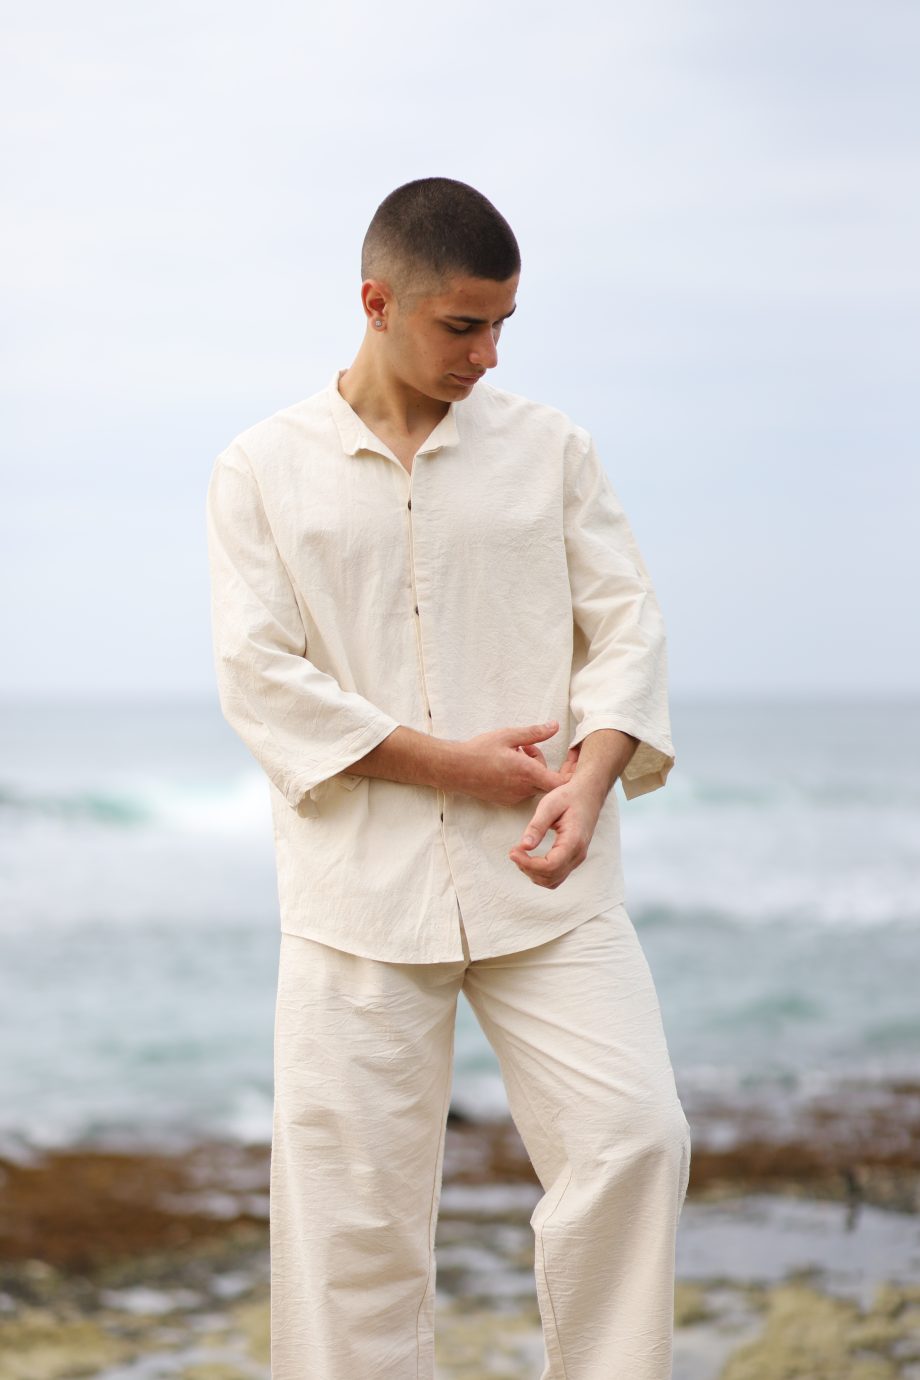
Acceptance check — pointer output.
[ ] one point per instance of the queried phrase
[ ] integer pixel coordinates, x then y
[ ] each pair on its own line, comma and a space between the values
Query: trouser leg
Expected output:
363, 1053
577, 1029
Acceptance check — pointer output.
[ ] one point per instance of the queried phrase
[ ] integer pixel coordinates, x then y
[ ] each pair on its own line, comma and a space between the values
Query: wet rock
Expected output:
40, 1345
807, 1333
690, 1305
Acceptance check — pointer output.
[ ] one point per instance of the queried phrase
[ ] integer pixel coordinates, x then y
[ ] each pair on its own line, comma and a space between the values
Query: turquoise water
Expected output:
774, 882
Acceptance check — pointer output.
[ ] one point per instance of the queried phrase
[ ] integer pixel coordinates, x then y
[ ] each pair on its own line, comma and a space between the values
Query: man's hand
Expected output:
571, 810
567, 770
504, 766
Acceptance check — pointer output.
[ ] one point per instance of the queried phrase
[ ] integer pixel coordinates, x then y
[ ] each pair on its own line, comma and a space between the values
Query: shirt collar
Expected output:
355, 436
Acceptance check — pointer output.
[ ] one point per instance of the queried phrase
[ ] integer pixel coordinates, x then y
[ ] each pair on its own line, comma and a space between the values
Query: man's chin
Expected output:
447, 389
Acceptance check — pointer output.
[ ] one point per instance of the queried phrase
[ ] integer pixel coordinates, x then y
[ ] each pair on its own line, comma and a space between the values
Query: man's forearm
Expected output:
494, 766
602, 756
416, 759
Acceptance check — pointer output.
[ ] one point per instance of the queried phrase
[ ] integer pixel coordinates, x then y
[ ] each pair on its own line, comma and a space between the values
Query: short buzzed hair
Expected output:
432, 229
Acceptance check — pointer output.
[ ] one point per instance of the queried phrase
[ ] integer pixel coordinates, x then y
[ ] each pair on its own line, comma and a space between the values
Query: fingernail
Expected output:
529, 840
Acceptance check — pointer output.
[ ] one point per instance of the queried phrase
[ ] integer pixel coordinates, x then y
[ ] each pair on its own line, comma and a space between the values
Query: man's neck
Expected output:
387, 405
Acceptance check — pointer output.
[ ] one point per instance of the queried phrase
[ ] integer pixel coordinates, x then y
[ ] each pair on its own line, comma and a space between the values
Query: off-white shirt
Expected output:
496, 584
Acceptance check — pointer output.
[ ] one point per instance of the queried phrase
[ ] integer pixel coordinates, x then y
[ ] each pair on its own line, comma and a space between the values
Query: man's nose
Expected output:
485, 355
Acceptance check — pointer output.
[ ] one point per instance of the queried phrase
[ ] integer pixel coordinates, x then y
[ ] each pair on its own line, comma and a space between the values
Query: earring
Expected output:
378, 323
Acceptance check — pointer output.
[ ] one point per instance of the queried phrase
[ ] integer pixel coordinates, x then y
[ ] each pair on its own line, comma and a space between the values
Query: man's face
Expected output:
444, 342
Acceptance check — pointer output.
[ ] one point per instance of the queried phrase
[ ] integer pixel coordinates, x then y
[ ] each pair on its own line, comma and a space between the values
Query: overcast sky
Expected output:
718, 206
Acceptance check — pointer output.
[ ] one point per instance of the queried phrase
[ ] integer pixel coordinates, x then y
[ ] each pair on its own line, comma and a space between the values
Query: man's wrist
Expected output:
593, 784
447, 764
602, 757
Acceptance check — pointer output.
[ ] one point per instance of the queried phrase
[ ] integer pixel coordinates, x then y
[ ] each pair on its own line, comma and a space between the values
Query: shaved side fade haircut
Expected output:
433, 229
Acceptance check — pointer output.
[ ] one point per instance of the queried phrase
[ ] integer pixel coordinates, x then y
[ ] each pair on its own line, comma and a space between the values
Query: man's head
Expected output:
440, 267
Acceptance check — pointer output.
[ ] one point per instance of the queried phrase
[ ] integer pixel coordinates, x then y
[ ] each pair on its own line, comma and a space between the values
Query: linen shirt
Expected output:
495, 584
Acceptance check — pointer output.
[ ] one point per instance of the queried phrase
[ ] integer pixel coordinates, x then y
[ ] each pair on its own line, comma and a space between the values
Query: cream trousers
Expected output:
363, 1063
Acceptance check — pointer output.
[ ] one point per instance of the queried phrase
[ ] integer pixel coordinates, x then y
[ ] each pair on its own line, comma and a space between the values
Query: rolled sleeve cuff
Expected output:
307, 790
648, 768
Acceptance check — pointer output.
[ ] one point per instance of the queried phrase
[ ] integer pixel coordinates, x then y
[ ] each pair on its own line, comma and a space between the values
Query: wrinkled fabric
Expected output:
497, 584
363, 1065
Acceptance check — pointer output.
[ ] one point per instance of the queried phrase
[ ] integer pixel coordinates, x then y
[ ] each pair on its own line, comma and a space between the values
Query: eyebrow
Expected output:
479, 320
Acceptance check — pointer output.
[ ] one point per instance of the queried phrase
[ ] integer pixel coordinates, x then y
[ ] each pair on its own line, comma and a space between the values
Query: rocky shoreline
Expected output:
797, 1258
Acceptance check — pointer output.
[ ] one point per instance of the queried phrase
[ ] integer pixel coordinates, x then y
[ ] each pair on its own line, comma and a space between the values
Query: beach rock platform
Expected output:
796, 1261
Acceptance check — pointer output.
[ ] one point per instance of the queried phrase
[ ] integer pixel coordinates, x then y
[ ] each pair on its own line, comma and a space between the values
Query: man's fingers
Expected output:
548, 780
570, 763
547, 870
540, 866
553, 867
535, 733
542, 819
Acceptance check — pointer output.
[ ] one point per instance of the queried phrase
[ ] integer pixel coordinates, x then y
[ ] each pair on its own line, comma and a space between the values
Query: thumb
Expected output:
535, 733
541, 819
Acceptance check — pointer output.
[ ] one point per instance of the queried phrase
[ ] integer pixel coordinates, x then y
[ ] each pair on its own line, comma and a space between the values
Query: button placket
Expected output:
418, 631
441, 795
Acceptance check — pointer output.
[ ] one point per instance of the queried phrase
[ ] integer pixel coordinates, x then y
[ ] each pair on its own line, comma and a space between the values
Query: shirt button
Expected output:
429, 713
409, 504
416, 608
442, 815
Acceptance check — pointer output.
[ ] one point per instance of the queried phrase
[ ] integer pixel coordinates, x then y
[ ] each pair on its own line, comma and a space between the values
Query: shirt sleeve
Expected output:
619, 663
296, 720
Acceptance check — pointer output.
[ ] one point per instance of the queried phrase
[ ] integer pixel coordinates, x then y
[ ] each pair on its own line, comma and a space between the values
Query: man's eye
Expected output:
458, 330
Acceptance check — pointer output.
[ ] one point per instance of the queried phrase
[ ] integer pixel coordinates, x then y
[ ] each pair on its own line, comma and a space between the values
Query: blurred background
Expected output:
718, 208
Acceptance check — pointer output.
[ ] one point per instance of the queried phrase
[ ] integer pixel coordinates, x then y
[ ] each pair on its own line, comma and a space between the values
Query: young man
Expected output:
435, 632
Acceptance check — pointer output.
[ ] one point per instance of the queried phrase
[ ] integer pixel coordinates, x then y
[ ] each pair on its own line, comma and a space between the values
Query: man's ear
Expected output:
375, 298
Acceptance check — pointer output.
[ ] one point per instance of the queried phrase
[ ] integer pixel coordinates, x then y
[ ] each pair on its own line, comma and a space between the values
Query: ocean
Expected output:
774, 883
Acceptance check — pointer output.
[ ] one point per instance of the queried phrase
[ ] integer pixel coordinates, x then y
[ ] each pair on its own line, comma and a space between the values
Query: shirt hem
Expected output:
551, 929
